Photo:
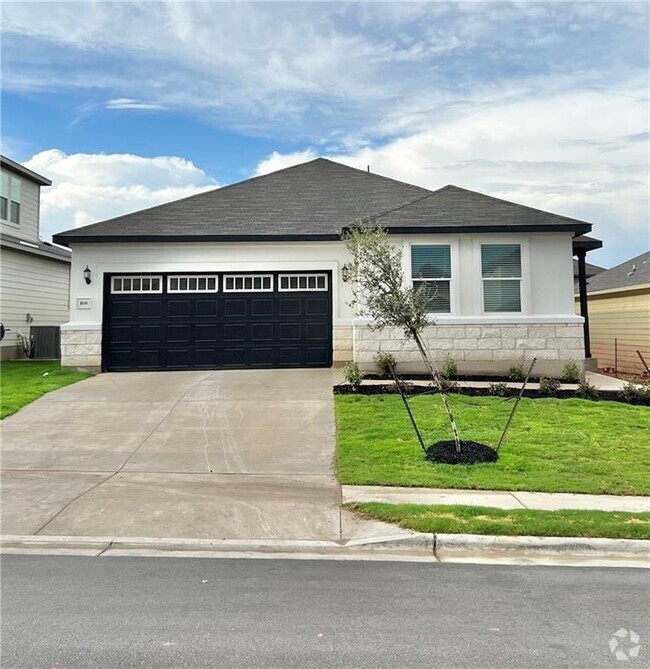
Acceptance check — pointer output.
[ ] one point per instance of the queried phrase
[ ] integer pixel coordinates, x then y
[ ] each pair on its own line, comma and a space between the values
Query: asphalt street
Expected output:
66, 612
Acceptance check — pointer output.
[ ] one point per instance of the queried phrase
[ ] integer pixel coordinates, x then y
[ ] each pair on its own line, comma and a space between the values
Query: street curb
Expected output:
450, 547
416, 546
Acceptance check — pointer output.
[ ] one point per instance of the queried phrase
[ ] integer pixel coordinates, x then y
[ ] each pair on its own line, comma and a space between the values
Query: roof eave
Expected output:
24, 172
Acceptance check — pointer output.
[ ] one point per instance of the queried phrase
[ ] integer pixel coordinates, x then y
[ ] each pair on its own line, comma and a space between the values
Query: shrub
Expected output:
587, 391
449, 368
447, 385
517, 373
385, 363
571, 372
548, 387
353, 375
635, 393
499, 389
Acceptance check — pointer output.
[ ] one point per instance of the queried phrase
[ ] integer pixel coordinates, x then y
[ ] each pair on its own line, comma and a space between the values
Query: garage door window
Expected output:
296, 282
192, 284
248, 283
136, 284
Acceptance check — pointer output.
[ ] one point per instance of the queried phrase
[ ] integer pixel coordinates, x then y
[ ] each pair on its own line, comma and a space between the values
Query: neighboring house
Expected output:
34, 275
619, 315
590, 270
254, 275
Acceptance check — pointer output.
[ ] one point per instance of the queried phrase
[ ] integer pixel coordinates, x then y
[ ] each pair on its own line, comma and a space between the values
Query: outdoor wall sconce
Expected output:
345, 273
87, 275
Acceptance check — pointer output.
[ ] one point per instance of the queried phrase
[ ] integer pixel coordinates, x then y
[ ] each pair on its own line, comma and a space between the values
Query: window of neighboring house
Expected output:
10, 198
501, 276
431, 268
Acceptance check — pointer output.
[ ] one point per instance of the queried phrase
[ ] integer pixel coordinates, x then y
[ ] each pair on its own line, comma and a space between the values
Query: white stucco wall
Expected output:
547, 287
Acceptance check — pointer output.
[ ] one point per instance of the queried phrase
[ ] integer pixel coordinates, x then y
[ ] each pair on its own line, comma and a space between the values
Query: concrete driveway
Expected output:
220, 455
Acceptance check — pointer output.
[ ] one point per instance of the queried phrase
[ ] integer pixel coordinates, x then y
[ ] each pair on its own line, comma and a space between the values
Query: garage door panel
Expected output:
234, 307
290, 306
178, 308
206, 308
285, 328
149, 308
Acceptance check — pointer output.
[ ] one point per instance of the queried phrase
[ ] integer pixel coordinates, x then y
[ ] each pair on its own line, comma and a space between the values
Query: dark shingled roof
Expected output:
317, 200
628, 274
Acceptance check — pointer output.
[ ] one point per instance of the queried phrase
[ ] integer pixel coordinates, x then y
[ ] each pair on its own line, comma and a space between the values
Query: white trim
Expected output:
133, 277
243, 277
491, 319
198, 277
316, 275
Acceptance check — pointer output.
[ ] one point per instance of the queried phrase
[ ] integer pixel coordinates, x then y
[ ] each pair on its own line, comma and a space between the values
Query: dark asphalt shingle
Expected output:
317, 198
630, 273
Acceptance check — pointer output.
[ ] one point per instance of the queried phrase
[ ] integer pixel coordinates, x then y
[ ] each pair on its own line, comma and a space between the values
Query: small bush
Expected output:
353, 374
548, 387
447, 385
450, 368
385, 363
635, 393
587, 391
571, 372
517, 373
499, 389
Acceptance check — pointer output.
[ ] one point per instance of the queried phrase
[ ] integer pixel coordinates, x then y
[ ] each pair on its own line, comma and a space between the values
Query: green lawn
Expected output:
21, 382
487, 520
553, 445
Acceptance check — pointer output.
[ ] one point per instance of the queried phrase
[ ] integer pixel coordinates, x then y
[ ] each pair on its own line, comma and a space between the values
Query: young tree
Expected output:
380, 293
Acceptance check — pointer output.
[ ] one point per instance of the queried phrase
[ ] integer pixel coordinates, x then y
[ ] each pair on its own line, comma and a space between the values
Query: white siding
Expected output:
548, 270
29, 211
35, 285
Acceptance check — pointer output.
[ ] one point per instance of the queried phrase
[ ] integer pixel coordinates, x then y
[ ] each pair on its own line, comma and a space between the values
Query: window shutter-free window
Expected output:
501, 273
431, 271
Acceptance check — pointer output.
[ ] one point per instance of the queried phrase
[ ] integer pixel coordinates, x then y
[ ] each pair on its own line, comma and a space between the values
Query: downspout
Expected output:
584, 309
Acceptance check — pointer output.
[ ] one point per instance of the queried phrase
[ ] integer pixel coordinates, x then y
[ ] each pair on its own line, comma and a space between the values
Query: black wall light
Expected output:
346, 273
87, 274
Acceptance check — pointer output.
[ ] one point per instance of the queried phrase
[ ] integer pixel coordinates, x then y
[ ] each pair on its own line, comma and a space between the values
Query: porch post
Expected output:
584, 309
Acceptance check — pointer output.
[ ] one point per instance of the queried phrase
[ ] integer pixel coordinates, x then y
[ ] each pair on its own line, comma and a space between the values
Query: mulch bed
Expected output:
471, 452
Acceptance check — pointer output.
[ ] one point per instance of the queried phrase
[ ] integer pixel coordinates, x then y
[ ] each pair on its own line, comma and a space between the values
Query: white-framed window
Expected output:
431, 269
247, 283
302, 282
10, 187
192, 283
136, 284
501, 277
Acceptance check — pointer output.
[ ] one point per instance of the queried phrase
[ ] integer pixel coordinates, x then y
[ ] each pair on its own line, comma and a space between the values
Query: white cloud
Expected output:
579, 153
278, 161
128, 103
88, 188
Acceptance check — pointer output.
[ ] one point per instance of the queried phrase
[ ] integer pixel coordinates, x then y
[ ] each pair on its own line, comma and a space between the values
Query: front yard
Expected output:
554, 445
23, 381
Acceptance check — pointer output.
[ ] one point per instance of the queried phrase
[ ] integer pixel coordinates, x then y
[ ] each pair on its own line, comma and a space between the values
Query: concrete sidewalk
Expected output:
542, 501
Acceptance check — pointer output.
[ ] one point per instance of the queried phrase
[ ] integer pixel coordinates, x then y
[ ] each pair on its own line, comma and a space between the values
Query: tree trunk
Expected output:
435, 377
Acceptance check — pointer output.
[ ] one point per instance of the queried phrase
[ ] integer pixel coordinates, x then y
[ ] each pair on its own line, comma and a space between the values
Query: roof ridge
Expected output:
407, 204
516, 204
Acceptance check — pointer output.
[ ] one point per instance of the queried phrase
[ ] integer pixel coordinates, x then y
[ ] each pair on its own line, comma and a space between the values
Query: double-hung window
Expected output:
10, 198
501, 277
431, 270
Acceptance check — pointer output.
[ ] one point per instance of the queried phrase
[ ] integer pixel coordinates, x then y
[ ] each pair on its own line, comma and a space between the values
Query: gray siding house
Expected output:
34, 275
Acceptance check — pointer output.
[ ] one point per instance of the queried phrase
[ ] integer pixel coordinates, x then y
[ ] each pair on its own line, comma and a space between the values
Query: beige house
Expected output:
619, 315
34, 275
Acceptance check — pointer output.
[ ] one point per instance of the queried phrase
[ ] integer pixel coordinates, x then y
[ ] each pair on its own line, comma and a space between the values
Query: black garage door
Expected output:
217, 320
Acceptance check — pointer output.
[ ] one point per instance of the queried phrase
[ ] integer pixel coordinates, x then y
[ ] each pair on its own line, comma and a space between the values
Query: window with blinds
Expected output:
431, 271
501, 274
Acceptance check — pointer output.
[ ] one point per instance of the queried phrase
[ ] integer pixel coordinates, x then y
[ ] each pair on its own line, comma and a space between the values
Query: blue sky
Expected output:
125, 105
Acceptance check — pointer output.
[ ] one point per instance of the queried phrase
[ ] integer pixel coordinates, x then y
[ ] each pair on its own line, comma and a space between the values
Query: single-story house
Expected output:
254, 275
619, 315
34, 275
